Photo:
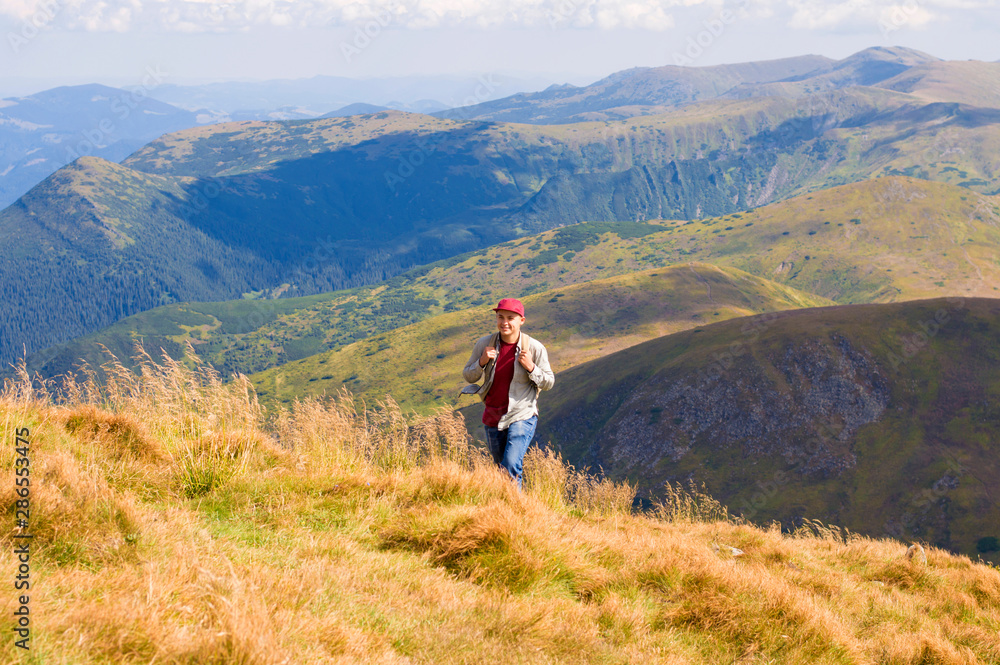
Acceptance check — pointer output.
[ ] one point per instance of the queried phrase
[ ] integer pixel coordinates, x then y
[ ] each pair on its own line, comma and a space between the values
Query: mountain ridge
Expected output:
651, 90
297, 208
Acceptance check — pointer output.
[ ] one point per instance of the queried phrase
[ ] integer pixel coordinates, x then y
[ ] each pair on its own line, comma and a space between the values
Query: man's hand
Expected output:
525, 359
489, 353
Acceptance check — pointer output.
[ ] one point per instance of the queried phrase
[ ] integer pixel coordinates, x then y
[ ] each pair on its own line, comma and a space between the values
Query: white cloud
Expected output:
649, 15
905, 15
23, 9
820, 15
206, 15
833, 15
827, 14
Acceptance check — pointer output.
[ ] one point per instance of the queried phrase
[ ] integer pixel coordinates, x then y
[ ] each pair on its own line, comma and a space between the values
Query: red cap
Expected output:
511, 305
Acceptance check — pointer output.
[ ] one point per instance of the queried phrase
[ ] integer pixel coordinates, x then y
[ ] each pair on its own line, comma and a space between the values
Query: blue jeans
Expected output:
509, 446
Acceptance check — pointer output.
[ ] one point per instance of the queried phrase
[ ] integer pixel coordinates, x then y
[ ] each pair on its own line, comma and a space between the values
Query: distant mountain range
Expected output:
319, 95
301, 207
654, 90
44, 131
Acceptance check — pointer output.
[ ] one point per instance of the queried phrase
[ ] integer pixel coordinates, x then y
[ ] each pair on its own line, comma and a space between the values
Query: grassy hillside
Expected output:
881, 418
882, 240
892, 238
169, 527
885, 240
420, 365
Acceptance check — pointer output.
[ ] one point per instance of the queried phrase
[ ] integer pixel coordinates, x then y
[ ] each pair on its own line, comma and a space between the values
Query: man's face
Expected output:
509, 324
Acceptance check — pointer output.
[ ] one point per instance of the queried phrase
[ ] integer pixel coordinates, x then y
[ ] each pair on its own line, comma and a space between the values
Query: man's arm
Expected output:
542, 375
473, 370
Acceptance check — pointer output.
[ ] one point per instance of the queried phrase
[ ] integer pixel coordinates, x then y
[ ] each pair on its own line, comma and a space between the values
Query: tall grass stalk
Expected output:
690, 503
561, 486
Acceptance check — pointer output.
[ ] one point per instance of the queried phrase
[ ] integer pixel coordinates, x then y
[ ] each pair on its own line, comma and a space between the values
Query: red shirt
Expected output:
498, 398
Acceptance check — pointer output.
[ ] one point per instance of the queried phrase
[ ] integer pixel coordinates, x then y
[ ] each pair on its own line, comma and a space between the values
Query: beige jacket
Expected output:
524, 387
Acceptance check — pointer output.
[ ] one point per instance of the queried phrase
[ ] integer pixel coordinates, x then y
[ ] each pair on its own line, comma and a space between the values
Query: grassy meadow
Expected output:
173, 523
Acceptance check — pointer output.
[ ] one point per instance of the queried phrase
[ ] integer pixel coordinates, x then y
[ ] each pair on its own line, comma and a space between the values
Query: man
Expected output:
517, 369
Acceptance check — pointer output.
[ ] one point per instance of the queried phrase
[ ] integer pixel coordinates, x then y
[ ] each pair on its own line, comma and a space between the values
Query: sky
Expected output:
44, 43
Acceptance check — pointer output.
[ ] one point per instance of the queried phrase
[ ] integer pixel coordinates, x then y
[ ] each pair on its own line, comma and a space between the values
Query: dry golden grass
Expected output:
174, 523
